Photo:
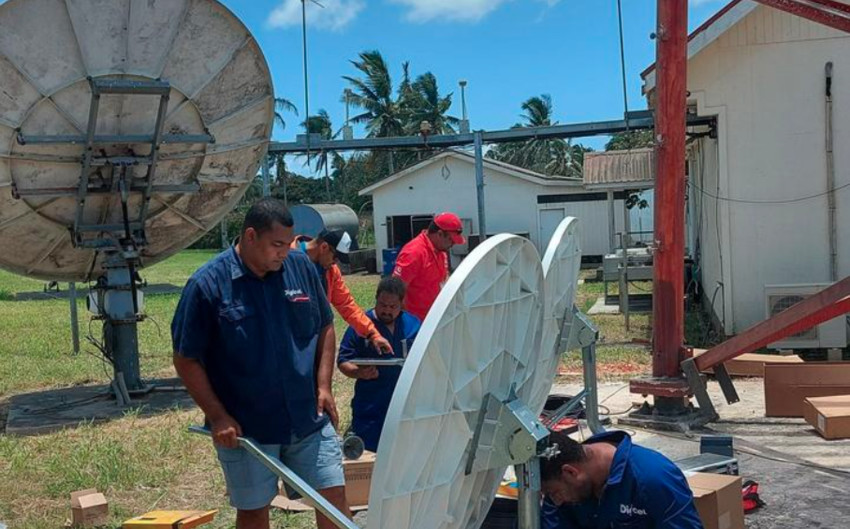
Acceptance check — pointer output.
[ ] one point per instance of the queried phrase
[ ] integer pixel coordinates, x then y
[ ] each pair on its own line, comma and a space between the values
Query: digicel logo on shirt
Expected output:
296, 295
631, 510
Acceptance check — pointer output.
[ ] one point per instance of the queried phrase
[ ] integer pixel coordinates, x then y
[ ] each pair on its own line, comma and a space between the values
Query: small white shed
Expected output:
516, 201
759, 185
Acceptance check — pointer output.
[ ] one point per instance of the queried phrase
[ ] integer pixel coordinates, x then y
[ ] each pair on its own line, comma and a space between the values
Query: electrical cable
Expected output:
784, 201
621, 388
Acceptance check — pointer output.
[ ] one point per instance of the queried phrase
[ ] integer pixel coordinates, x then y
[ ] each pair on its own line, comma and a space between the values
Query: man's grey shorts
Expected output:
317, 459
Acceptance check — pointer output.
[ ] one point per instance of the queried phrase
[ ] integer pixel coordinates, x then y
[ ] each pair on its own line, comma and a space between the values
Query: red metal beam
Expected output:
661, 387
814, 310
827, 12
668, 310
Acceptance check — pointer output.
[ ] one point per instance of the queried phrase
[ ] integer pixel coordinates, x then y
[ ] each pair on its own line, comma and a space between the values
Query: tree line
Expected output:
385, 109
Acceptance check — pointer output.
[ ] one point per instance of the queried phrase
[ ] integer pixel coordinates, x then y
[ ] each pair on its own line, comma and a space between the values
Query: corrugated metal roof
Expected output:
633, 168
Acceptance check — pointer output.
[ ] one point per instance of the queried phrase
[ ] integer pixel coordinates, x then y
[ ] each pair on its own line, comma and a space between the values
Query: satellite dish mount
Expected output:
111, 159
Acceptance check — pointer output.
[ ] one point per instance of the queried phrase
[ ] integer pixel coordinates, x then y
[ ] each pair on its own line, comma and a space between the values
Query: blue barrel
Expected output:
389, 256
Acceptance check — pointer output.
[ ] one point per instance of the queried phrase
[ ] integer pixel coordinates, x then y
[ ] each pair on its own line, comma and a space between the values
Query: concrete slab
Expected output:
48, 411
601, 308
804, 478
637, 303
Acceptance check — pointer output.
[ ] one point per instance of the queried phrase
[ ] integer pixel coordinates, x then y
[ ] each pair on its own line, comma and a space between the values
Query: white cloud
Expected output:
702, 2
457, 10
336, 14
454, 10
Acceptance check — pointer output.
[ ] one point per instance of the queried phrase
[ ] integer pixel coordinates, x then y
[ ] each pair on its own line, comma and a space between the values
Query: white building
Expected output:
761, 72
516, 201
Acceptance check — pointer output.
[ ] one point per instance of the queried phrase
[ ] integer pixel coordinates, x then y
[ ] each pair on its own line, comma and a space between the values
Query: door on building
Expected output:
548, 221
402, 228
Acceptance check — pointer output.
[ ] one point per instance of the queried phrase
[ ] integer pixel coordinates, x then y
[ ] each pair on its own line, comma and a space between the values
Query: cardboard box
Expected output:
786, 386
752, 364
358, 480
829, 415
170, 520
89, 508
718, 500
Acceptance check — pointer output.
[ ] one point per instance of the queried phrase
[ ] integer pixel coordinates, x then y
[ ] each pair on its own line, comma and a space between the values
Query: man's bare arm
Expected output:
224, 428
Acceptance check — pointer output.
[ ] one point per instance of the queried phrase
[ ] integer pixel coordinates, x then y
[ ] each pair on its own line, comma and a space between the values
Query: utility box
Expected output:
89, 508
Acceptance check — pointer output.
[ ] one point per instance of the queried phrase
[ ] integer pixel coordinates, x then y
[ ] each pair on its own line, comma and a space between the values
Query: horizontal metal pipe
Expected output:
641, 121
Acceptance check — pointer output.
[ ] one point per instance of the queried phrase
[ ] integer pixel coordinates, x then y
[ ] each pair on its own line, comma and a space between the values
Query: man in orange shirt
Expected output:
325, 250
423, 263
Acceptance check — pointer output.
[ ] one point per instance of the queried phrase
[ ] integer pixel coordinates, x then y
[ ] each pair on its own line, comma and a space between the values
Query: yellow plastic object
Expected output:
170, 520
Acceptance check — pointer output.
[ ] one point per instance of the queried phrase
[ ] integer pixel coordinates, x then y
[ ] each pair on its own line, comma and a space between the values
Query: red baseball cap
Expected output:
451, 224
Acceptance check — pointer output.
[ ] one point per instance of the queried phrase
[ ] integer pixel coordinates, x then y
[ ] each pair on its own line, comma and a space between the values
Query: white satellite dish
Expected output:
481, 337
561, 265
53, 55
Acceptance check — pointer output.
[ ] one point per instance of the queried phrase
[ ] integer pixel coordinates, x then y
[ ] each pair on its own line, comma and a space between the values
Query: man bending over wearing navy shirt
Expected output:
375, 385
254, 344
607, 482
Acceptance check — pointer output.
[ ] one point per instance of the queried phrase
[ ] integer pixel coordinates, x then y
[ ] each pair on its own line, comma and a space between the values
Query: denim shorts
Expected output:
317, 459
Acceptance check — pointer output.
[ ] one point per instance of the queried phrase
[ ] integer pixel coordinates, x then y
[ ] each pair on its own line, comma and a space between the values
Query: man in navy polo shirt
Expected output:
254, 344
375, 385
607, 482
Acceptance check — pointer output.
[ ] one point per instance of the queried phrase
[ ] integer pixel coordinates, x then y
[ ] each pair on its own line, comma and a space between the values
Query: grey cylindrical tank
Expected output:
310, 219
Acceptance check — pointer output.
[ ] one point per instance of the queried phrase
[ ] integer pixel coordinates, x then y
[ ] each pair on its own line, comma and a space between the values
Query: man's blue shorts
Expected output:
317, 459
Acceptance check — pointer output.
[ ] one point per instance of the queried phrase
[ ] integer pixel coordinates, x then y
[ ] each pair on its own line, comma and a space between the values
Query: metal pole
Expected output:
591, 398
623, 63
306, 85
292, 479
120, 332
75, 325
830, 181
463, 99
612, 220
528, 478
479, 182
327, 178
624, 278
668, 281
266, 177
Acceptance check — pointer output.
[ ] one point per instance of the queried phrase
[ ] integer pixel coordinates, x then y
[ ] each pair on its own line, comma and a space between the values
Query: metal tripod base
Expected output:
659, 417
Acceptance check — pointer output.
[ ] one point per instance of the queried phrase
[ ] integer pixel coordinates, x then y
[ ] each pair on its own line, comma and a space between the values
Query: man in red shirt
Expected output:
423, 263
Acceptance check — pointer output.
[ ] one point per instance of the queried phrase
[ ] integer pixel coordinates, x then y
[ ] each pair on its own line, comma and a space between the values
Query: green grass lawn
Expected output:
147, 463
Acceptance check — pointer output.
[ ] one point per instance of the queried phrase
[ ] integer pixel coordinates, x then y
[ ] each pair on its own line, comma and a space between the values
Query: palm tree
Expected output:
281, 105
321, 124
278, 161
426, 104
373, 93
552, 157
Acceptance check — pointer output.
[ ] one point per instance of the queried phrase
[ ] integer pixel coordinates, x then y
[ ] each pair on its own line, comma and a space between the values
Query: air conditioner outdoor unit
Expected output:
828, 335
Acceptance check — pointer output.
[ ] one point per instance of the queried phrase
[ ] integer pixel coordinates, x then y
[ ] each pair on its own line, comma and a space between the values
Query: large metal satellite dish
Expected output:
128, 128
561, 265
481, 338
193, 56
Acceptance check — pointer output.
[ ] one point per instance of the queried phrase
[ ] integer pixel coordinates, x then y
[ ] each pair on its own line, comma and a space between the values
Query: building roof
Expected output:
627, 169
708, 32
494, 165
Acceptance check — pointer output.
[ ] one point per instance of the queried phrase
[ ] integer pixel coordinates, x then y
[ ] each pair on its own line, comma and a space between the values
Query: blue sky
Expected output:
508, 50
